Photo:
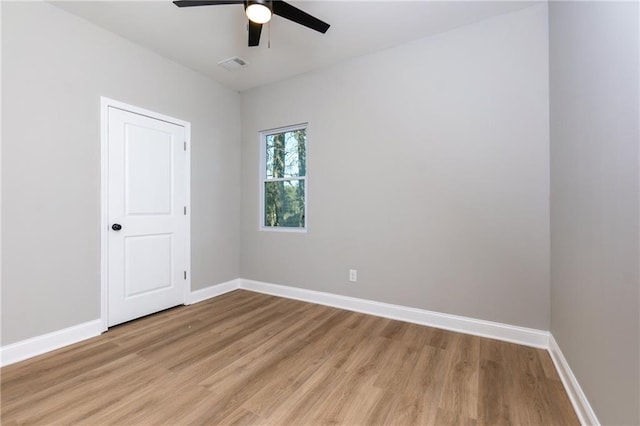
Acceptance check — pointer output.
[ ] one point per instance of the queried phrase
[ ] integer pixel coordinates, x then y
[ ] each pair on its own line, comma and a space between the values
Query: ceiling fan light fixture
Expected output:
258, 11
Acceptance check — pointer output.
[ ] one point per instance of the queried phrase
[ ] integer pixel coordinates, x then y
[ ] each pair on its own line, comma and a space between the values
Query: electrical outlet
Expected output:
353, 275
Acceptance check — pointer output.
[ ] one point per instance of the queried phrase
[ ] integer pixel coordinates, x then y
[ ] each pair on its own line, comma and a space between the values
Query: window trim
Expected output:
262, 139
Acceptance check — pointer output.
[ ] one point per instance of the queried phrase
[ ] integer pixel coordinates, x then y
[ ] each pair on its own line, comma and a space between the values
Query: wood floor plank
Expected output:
445, 417
460, 394
309, 398
292, 375
24, 378
44, 393
245, 358
494, 385
283, 329
72, 402
425, 388
196, 343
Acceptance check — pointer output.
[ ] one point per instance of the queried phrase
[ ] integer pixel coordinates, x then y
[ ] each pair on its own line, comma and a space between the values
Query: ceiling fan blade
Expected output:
254, 33
298, 16
190, 3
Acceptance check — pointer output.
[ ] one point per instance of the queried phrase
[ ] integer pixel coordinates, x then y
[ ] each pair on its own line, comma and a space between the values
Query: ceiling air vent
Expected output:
233, 63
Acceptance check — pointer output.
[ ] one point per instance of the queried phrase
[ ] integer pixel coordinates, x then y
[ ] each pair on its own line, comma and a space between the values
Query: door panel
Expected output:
147, 261
149, 170
147, 187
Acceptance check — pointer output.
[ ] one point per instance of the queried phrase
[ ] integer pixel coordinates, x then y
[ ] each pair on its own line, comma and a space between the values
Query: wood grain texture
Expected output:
251, 359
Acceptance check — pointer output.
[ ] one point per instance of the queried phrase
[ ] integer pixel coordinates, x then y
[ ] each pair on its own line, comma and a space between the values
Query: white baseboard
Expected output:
525, 336
585, 413
494, 330
213, 291
39, 345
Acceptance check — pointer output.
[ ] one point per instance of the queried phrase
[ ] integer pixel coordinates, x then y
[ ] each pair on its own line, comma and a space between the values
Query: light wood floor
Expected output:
247, 358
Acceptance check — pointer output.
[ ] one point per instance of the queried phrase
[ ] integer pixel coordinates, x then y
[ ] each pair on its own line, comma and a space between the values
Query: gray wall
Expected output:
55, 67
428, 173
595, 315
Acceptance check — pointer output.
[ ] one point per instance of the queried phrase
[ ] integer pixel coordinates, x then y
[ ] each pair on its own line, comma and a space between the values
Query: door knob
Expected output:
116, 227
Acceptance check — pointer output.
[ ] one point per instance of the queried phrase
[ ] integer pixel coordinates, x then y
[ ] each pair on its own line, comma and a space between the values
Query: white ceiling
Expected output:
200, 37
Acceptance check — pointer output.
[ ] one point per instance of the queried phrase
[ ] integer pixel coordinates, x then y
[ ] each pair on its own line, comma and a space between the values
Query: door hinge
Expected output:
185, 275
185, 145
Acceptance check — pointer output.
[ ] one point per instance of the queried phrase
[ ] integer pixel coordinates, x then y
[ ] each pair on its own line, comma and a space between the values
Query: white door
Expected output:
148, 229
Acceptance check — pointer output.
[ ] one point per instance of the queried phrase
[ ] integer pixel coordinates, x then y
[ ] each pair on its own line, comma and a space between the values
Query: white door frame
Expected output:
105, 104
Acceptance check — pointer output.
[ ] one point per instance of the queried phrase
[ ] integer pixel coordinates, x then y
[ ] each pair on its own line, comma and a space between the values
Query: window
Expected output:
284, 178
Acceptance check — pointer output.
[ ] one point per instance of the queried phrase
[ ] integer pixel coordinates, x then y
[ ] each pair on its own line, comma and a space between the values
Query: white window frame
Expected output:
263, 179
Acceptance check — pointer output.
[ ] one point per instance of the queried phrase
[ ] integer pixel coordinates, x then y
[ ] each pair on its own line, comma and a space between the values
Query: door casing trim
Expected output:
105, 104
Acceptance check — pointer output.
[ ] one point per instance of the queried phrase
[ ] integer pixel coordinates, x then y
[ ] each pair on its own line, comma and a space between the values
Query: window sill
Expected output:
283, 229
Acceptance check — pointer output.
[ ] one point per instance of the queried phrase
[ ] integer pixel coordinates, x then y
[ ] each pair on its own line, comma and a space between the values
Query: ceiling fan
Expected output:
259, 12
